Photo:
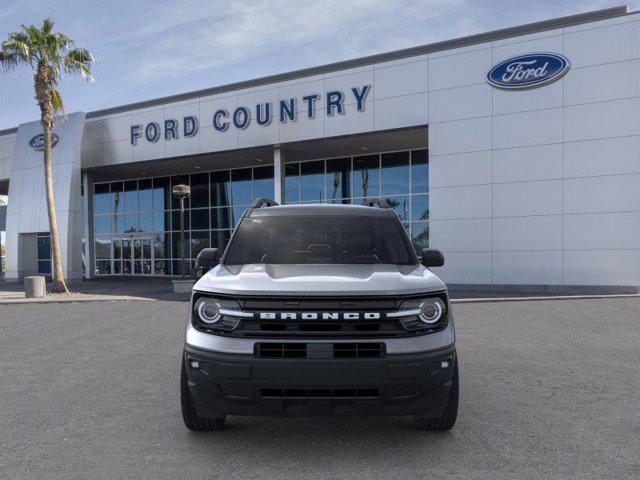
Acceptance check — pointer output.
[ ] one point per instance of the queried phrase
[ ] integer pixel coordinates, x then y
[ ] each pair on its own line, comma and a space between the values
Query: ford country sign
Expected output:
528, 71
37, 142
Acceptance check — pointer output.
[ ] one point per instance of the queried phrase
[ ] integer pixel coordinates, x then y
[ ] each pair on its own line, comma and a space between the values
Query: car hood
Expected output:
319, 280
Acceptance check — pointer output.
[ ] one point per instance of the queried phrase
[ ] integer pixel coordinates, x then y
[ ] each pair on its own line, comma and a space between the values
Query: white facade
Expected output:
527, 187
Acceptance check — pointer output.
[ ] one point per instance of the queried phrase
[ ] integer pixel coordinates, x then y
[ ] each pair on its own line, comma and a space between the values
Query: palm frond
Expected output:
56, 101
79, 60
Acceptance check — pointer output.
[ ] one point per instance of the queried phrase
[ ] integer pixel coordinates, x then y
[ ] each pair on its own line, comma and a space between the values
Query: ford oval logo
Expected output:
37, 142
528, 71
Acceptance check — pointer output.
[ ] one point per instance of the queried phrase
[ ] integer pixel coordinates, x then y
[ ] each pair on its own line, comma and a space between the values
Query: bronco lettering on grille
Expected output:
319, 316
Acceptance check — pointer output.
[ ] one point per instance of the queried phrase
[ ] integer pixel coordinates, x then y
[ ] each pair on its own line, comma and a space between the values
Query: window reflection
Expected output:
241, 186
312, 181
395, 173
292, 183
338, 179
366, 176
141, 210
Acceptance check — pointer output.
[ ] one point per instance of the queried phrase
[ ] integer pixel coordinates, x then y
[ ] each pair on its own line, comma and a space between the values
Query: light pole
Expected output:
182, 192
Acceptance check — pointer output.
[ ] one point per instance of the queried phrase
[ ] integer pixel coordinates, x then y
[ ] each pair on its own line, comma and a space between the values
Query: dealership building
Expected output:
515, 152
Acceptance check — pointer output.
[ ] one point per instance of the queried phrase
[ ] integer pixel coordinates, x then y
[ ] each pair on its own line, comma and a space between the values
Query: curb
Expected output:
122, 298
541, 299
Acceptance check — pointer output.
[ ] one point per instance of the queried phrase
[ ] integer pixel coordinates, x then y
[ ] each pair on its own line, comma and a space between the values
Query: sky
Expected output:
149, 49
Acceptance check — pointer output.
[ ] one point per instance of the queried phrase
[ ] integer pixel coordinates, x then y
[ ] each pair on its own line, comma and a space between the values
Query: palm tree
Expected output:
47, 53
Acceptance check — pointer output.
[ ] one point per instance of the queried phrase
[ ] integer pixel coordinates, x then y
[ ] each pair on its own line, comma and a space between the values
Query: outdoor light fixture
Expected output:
182, 192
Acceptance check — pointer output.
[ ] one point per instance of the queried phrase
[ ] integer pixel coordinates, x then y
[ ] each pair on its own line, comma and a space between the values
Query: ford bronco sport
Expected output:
319, 310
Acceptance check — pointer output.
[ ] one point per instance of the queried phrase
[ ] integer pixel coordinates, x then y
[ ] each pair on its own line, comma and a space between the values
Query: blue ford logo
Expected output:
37, 142
528, 71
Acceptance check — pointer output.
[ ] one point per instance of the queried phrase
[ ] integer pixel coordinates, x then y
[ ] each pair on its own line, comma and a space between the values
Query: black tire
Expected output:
192, 420
448, 418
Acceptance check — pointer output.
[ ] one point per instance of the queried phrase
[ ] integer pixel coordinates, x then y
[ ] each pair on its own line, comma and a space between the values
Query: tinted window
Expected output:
320, 239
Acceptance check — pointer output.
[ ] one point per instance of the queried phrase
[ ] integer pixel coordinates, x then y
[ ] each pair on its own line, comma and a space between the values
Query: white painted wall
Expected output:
539, 186
27, 206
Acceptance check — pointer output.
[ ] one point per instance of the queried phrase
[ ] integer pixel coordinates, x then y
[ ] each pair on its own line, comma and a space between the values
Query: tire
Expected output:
192, 420
448, 418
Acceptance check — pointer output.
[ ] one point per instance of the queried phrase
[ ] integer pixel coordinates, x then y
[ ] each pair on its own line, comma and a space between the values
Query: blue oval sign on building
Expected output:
528, 71
37, 142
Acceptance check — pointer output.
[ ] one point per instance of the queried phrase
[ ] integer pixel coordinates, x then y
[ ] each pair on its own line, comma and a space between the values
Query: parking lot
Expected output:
549, 389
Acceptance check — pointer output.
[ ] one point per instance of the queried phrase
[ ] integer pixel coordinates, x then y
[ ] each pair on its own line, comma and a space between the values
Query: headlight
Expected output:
208, 310
431, 311
424, 314
209, 314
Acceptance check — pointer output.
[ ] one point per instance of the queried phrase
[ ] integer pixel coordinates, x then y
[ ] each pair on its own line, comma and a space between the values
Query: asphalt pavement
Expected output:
549, 389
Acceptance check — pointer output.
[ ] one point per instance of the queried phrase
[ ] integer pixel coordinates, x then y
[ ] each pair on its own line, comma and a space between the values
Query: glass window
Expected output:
161, 245
161, 194
199, 240
220, 238
145, 222
220, 218
395, 173
179, 180
145, 195
312, 181
400, 205
236, 215
101, 198
241, 186
366, 176
419, 171
162, 267
419, 207
102, 224
338, 179
44, 246
117, 189
175, 244
131, 196
292, 183
175, 220
117, 248
103, 247
161, 221
131, 223
117, 224
220, 189
200, 219
200, 190
263, 182
352, 239
420, 236
103, 267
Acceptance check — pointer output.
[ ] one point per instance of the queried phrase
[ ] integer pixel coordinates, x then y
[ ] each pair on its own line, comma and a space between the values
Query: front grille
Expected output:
282, 350
357, 350
319, 350
321, 393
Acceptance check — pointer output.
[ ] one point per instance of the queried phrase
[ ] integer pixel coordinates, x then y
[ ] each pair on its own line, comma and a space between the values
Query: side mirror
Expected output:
432, 258
207, 259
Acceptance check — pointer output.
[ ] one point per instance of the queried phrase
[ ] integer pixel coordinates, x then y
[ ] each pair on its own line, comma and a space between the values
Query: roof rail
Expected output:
376, 201
264, 202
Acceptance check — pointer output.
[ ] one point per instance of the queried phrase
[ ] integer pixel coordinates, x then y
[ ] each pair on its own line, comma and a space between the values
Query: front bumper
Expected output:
410, 383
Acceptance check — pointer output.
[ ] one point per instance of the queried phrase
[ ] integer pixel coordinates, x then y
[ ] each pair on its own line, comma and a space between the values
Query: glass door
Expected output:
133, 255
142, 256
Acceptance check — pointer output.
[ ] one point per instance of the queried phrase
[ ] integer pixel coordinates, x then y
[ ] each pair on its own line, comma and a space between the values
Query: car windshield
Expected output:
302, 239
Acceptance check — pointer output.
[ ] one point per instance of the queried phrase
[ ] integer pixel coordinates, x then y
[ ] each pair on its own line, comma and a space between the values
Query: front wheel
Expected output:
192, 420
448, 418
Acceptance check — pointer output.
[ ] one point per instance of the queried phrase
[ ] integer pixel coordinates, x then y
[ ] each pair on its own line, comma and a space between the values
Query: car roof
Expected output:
317, 209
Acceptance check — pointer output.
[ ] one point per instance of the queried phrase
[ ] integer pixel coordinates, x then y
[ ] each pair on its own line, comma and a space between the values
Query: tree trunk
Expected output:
43, 96
59, 285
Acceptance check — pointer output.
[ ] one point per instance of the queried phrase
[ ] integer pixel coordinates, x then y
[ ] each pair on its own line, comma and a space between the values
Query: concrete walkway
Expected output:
103, 289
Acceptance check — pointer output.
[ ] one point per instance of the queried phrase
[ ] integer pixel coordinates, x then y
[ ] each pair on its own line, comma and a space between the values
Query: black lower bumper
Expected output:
230, 384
